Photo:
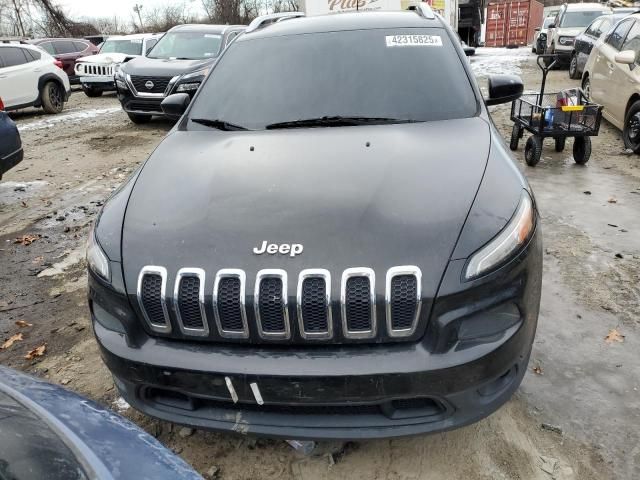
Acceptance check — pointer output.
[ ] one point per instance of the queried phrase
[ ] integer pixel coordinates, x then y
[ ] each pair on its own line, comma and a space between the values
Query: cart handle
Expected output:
543, 67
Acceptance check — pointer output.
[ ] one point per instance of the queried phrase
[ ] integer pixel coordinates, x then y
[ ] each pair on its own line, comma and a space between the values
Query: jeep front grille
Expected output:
88, 69
270, 303
152, 285
351, 316
189, 302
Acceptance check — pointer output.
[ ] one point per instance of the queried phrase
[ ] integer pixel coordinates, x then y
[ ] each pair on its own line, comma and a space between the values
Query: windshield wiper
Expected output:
219, 124
336, 121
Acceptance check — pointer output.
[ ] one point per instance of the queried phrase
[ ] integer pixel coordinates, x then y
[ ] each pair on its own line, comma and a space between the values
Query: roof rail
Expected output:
423, 10
265, 20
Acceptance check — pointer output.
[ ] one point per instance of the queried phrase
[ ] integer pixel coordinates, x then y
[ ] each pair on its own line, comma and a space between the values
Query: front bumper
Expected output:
471, 360
98, 82
140, 105
10, 161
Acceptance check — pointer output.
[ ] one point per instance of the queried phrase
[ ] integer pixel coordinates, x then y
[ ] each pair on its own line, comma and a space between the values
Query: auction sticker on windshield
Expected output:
413, 41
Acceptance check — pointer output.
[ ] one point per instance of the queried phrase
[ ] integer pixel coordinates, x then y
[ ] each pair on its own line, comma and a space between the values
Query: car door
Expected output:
18, 77
604, 63
624, 78
67, 53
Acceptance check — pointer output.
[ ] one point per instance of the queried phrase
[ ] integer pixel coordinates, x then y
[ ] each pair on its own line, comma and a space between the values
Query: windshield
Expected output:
187, 45
580, 19
30, 449
403, 75
128, 47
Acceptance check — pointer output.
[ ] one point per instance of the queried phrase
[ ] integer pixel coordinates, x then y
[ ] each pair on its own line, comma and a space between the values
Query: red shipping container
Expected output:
511, 24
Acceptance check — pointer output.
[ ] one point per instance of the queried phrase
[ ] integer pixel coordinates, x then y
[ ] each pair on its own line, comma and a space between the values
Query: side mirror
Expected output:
626, 57
504, 89
469, 51
175, 105
551, 25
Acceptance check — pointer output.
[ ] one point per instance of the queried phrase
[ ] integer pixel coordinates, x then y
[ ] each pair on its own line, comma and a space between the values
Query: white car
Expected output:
96, 71
30, 77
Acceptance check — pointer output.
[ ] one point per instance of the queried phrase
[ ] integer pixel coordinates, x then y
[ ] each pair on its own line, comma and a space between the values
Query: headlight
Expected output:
188, 87
200, 73
96, 258
508, 241
565, 40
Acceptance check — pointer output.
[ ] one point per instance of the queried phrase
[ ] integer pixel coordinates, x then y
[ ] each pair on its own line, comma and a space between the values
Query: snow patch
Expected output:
22, 186
73, 117
120, 405
499, 61
72, 258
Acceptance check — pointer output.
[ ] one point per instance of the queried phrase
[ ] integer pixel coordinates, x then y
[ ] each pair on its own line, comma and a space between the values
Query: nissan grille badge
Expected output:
149, 84
292, 249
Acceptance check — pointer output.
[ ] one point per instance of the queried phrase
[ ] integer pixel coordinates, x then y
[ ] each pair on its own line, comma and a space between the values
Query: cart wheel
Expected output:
516, 134
581, 150
560, 143
533, 150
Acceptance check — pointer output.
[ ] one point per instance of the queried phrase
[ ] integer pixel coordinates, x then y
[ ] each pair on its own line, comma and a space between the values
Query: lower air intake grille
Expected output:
314, 305
403, 301
271, 305
358, 304
189, 303
150, 294
229, 307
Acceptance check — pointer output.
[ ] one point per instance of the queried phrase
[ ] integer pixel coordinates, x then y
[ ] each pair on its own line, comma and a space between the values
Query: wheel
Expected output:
631, 130
139, 119
533, 150
52, 98
586, 88
516, 133
573, 68
581, 150
560, 143
92, 92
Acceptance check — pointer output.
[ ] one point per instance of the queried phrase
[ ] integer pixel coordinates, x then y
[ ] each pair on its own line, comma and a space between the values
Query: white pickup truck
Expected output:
96, 71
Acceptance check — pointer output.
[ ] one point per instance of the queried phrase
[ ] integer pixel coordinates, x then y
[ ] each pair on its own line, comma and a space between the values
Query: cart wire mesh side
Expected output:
539, 114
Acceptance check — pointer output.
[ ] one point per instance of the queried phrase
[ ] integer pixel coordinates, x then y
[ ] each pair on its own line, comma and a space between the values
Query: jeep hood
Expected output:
161, 67
366, 196
570, 32
105, 58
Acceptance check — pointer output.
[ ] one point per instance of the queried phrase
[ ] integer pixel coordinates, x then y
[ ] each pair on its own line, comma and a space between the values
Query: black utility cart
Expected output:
544, 115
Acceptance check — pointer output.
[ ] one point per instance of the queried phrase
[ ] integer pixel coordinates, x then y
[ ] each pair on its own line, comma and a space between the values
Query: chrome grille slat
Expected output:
270, 304
189, 304
314, 304
358, 302
230, 314
150, 301
403, 298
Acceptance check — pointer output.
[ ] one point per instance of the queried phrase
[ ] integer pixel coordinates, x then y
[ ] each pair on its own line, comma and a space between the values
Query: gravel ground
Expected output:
576, 416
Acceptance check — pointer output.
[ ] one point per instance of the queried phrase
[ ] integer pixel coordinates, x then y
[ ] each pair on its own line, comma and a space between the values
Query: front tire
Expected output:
581, 150
52, 98
92, 92
631, 130
139, 119
533, 150
573, 68
516, 133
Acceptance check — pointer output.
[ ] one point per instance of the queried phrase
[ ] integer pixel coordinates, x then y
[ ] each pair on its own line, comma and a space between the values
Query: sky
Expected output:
121, 8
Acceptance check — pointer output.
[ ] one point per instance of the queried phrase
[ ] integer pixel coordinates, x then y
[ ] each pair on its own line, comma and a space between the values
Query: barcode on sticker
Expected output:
413, 41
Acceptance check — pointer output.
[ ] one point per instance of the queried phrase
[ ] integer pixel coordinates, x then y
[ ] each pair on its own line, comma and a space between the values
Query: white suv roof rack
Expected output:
424, 10
265, 20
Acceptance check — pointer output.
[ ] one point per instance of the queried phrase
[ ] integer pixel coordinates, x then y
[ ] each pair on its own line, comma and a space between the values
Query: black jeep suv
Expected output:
332, 242
177, 63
